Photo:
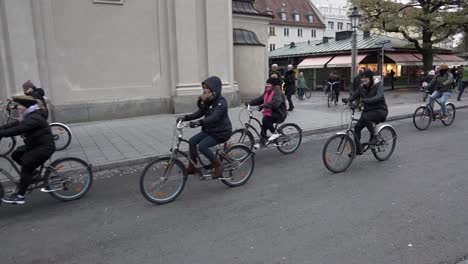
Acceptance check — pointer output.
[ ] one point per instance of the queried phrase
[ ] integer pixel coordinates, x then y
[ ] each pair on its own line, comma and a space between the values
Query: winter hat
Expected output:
273, 81
444, 67
26, 101
28, 84
368, 74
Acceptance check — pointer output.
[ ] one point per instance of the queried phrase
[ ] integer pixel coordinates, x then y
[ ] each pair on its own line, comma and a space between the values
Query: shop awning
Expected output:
449, 59
314, 63
344, 61
404, 59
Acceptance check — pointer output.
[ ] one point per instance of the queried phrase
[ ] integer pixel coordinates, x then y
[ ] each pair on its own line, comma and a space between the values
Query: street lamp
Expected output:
355, 18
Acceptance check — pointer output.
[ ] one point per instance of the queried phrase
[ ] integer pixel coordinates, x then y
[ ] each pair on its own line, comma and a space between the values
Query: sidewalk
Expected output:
111, 144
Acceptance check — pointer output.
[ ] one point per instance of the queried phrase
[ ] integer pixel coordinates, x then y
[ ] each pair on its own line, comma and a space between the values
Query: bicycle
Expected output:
238, 162
61, 132
425, 114
331, 94
56, 178
343, 145
288, 142
307, 92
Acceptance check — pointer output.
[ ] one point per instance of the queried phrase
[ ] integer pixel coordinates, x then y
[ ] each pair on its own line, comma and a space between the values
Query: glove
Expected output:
345, 100
180, 119
260, 108
246, 104
194, 124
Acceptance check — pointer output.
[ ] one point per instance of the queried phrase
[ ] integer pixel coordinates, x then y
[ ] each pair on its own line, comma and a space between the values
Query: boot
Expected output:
191, 169
218, 168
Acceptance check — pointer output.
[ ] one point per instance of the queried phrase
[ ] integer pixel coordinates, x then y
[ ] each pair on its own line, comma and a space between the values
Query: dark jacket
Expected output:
372, 98
441, 83
34, 128
290, 82
277, 104
277, 72
356, 83
216, 122
38, 93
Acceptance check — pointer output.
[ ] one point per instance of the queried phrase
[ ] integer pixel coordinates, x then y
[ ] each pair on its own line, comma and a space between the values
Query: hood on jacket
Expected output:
214, 83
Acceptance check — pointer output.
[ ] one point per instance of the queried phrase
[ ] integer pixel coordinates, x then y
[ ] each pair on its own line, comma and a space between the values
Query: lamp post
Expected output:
355, 17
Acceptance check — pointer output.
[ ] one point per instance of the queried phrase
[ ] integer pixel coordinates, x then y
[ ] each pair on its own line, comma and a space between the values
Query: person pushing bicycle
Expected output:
375, 107
38, 145
273, 104
216, 125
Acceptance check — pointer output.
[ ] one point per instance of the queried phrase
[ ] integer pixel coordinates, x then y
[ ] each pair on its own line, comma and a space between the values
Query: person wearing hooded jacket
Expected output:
273, 104
442, 85
375, 107
38, 145
216, 125
30, 89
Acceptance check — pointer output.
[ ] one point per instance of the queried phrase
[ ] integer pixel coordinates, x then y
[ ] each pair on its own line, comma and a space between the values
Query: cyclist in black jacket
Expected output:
37, 93
38, 145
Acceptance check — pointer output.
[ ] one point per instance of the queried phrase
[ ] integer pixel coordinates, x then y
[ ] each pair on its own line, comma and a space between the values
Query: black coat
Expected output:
372, 98
290, 83
34, 128
216, 120
277, 104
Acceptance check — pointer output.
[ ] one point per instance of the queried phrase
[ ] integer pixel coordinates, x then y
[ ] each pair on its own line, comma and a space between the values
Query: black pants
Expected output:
267, 124
461, 88
289, 97
368, 119
29, 159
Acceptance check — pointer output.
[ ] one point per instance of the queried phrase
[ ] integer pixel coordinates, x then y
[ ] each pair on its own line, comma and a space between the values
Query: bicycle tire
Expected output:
66, 163
308, 93
245, 135
245, 173
451, 112
329, 99
62, 136
159, 198
2, 193
351, 155
279, 141
423, 112
7, 145
393, 136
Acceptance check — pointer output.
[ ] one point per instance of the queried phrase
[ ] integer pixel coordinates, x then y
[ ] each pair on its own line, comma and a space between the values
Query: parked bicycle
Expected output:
340, 150
331, 98
290, 134
307, 92
61, 132
425, 114
65, 179
163, 180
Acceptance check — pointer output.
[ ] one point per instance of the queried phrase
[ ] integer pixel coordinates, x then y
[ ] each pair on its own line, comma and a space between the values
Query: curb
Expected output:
305, 133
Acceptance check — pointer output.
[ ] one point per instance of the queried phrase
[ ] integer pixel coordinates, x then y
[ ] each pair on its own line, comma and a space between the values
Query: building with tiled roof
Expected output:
294, 21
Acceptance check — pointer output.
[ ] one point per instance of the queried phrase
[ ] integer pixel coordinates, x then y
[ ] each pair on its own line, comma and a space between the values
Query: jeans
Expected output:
300, 92
267, 124
443, 99
461, 88
203, 142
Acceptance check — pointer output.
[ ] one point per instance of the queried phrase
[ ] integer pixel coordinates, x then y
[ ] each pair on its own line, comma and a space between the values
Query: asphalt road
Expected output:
409, 209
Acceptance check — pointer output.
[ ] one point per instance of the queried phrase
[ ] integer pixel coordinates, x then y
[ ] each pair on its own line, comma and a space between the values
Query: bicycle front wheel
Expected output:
68, 178
338, 153
242, 136
239, 165
162, 181
290, 138
384, 150
308, 93
7, 145
329, 98
451, 110
422, 117
62, 136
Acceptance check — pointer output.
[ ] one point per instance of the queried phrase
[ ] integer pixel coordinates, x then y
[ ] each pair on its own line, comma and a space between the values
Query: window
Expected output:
283, 16
349, 26
297, 17
311, 18
299, 32
272, 31
314, 33
339, 26
330, 25
118, 2
272, 47
286, 32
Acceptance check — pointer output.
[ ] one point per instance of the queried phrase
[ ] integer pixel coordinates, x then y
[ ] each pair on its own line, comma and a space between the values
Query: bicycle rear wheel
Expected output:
68, 178
338, 153
242, 136
162, 181
384, 150
7, 145
290, 139
451, 110
239, 165
62, 136
422, 117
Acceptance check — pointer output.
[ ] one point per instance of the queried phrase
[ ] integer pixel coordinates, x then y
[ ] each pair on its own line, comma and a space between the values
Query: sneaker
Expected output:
14, 199
458, 99
444, 118
374, 140
273, 137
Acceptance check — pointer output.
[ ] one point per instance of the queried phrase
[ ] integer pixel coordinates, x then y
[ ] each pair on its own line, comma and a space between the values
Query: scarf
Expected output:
267, 97
31, 109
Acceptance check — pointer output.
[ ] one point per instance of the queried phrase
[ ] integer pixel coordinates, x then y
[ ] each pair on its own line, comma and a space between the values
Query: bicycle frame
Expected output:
248, 125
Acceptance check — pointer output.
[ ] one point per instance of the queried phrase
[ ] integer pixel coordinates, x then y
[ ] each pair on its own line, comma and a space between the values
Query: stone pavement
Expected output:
114, 143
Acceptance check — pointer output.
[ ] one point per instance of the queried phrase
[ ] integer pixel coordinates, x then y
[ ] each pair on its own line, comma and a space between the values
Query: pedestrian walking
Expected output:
301, 86
391, 74
290, 85
463, 83
276, 73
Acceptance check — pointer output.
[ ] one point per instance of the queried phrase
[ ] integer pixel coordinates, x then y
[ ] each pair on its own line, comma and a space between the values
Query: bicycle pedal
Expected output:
50, 190
206, 177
